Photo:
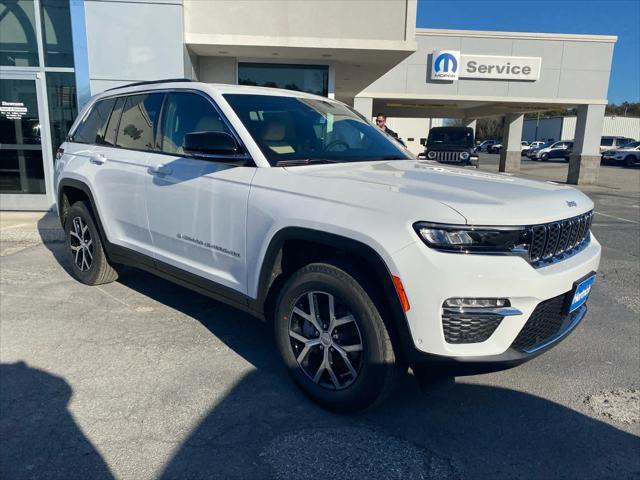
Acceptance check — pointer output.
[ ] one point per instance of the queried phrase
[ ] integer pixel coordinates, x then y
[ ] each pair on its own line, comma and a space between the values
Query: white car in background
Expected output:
298, 210
629, 155
613, 143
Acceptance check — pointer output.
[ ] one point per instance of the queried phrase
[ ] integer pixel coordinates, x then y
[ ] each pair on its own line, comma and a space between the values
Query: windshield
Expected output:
462, 137
294, 130
631, 145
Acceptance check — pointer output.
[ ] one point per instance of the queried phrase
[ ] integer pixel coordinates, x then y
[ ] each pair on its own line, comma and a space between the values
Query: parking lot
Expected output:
143, 379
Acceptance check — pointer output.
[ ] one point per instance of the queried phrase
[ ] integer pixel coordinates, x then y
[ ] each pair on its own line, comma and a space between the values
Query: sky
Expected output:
596, 17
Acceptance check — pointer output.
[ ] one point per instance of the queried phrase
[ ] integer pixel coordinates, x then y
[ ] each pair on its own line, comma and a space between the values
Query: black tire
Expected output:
376, 365
629, 161
545, 157
97, 270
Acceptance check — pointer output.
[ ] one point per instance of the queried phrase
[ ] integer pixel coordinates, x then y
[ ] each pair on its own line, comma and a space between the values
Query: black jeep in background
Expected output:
453, 145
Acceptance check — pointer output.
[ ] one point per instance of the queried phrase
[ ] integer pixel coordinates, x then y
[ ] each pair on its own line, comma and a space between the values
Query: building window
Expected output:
302, 78
21, 167
18, 40
61, 94
56, 33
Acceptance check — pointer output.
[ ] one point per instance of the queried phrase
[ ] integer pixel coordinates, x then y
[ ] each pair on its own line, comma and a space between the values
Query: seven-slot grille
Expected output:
447, 156
557, 240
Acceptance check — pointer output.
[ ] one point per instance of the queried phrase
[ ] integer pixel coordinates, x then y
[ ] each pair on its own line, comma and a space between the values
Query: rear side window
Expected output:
92, 128
606, 141
187, 113
138, 121
112, 126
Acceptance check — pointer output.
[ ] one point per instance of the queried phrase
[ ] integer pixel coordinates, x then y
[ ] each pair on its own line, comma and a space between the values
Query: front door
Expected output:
197, 208
25, 171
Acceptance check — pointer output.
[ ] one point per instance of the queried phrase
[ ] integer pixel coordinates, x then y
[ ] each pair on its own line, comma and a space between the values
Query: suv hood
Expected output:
481, 198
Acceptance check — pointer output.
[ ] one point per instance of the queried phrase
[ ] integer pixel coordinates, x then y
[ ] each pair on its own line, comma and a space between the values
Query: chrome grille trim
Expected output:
445, 156
555, 241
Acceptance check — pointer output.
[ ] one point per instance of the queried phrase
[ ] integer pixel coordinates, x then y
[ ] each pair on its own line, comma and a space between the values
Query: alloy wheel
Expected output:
81, 244
325, 340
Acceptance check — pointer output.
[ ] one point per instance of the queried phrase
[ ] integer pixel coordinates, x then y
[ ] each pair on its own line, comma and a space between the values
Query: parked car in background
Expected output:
495, 148
561, 149
485, 144
613, 142
627, 155
533, 150
452, 145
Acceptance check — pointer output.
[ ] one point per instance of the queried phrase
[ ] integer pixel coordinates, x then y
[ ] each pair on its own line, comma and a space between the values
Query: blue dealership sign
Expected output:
445, 65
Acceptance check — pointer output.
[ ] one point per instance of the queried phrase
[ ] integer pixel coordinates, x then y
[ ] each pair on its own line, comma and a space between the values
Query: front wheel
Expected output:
630, 161
544, 157
333, 340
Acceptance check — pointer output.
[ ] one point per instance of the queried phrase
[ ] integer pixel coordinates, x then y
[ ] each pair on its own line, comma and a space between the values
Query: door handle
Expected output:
97, 158
161, 169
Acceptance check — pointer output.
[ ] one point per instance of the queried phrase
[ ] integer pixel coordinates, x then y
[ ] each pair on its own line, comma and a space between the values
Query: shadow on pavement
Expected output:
266, 427
38, 435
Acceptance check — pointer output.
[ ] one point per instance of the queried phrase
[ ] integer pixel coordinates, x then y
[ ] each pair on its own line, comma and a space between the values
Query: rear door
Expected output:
197, 208
120, 162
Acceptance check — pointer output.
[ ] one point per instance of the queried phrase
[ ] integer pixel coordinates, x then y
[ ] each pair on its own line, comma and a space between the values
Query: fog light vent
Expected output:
473, 320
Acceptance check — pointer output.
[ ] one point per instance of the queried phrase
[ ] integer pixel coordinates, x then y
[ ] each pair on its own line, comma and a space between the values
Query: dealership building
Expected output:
55, 54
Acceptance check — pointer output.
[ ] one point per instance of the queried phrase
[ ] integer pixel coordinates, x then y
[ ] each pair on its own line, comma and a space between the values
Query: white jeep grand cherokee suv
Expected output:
295, 208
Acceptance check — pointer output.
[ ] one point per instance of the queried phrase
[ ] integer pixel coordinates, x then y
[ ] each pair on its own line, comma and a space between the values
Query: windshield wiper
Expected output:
303, 161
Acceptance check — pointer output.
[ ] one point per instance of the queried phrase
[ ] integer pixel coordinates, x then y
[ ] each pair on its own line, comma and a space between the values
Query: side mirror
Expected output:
423, 142
204, 144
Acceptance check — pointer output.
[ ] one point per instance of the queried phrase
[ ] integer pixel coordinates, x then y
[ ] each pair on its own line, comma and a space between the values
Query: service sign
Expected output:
451, 65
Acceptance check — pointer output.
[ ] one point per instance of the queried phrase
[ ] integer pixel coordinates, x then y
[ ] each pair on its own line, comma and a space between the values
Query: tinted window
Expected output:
56, 33
307, 129
138, 122
186, 113
92, 127
18, 43
606, 141
303, 78
112, 126
61, 93
462, 137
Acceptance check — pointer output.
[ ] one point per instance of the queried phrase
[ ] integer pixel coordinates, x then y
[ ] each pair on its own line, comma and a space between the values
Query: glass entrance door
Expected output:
24, 175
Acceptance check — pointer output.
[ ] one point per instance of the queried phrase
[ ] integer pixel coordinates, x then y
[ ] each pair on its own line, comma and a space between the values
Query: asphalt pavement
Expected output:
143, 379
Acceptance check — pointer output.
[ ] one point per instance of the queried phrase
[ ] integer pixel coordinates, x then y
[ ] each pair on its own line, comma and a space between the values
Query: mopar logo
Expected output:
445, 65
446, 62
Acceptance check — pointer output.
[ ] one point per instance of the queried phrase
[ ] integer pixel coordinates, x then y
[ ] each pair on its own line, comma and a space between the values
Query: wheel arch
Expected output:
348, 248
71, 190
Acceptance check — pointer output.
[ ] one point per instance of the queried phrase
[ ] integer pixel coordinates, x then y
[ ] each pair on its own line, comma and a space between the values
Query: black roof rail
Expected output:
151, 82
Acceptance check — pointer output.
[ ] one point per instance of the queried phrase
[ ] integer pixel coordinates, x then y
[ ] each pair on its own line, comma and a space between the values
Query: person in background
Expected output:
381, 122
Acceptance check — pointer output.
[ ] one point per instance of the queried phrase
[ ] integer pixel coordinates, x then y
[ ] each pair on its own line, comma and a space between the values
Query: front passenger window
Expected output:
187, 113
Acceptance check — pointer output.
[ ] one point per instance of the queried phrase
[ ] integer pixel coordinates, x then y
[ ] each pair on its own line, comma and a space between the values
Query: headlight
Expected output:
464, 155
431, 155
469, 239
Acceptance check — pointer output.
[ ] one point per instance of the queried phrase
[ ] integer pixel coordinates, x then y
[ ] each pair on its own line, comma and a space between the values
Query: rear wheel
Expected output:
333, 340
89, 262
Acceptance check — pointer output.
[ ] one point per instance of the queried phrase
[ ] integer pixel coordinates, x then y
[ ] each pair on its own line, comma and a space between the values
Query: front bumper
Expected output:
430, 277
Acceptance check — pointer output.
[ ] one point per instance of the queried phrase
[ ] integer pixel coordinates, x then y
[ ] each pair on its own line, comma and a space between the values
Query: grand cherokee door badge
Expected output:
202, 243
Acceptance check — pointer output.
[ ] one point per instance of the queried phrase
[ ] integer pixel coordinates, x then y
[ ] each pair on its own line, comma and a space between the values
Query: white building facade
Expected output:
55, 54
